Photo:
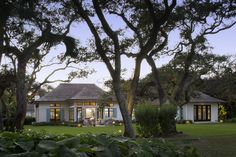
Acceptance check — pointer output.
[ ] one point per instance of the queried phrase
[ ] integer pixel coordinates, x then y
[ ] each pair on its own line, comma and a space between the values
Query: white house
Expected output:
200, 108
79, 102
74, 103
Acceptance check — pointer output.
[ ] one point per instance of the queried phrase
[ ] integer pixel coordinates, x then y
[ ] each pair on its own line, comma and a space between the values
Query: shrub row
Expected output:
29, 120
71, 124
34, 144
154, 121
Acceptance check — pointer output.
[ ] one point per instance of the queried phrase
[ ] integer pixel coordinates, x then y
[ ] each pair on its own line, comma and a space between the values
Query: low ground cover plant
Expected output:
37, 144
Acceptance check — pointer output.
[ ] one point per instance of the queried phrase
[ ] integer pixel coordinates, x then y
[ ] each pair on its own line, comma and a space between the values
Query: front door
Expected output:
202, 112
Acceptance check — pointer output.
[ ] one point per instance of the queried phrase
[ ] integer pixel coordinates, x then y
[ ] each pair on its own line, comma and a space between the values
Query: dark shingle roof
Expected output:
200, 97
70, 91
196, 97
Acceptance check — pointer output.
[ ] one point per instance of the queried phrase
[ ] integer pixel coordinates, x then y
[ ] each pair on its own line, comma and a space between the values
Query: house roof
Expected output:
200, 97
197, 97
72, 91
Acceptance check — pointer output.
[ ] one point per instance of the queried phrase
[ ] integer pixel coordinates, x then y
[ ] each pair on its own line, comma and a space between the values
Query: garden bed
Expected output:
37, 144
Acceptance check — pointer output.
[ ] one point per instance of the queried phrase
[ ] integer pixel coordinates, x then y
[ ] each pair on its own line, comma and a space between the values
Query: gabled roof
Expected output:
200, 97
197, 97
72, 91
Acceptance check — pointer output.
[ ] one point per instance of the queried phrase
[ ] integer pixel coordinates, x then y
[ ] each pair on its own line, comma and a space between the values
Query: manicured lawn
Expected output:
208, 130
193, 130
211, 140
77, 130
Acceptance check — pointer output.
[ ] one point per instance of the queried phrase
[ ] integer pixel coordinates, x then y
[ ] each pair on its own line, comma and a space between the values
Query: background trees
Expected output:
111, 44
29, 31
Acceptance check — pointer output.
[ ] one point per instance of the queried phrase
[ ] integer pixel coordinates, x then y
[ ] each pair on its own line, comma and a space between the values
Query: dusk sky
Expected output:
222, 43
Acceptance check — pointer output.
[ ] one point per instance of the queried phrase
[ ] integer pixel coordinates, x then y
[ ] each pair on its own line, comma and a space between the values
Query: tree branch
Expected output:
93, 30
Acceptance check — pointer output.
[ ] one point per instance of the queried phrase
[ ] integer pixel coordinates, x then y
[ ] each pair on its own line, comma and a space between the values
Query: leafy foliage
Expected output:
29, 120
40, 144
222, 113
146, 116
167, 116
154, 121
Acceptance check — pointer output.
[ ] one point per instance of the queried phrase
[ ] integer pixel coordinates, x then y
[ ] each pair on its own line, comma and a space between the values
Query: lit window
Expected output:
55, 112
202, 112
109, 112
89, 112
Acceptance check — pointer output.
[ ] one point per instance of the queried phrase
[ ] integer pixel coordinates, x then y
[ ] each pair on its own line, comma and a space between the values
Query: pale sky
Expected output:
222, 43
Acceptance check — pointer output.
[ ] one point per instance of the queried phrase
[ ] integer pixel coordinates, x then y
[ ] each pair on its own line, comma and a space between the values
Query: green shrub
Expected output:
146, 116
222, 113
34, 144
29, 120
71, 124
185, 122
167, 116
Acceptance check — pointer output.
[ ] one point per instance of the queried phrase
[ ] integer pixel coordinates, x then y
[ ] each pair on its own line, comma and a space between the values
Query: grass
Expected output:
208, 130
77, 130
211, 140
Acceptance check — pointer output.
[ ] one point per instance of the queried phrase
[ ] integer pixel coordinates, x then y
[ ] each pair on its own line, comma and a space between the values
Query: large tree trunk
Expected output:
1, 114
1, 52
133, 86
184, 82
1, 37
161, 93
21, 93
156, 79
128, 130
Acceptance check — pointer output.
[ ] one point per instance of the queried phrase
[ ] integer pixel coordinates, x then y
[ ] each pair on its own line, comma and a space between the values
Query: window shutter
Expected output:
114, 112
62, 114
48, 114
76, 115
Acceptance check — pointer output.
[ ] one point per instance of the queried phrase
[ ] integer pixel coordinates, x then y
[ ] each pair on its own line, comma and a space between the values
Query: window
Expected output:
86, 103
89, 112
79, 113
92, 103
202, 112
55, 112
71, 114
110, 112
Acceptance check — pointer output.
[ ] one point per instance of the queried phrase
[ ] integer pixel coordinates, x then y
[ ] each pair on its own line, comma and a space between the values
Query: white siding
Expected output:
119, 116
66, 114
214, 113
41, 112
188, 111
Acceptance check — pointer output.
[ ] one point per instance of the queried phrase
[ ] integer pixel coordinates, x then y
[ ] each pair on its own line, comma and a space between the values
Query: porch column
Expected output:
95, 116
75, 112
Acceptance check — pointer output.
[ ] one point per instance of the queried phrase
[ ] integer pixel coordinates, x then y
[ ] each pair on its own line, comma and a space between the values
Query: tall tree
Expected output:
32, 27
111, 44
195, 21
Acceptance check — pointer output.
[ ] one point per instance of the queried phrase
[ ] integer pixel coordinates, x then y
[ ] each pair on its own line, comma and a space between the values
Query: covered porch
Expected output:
83, 112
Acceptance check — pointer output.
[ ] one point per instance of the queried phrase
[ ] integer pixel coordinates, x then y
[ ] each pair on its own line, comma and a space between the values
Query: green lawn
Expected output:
77, 130
211, 140
208, 130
